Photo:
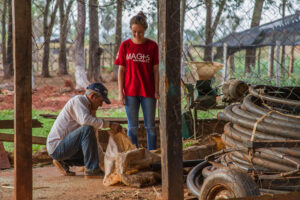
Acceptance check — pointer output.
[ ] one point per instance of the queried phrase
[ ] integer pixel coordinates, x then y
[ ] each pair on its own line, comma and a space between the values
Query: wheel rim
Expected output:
220, 192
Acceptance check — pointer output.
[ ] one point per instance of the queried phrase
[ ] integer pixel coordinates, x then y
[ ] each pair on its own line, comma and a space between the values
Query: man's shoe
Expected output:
90, 173
63, 168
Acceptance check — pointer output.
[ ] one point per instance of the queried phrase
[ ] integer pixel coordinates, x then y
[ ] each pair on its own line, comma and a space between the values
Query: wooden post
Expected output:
231, 65
278, 63
258, 60
22, 99
170, 104
224, 72
271, 61
291, 60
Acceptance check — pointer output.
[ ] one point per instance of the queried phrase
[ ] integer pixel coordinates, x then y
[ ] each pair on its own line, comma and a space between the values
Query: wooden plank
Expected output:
4, 162
170, 99
10, 138
110, 119
9, 124
22, 41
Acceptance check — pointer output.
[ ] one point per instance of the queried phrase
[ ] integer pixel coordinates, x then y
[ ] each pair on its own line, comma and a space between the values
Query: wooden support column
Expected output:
22, 99
278, 63
170, 103
225, 63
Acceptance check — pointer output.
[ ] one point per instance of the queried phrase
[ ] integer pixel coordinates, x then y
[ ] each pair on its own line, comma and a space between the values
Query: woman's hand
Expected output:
121, 98
156, 95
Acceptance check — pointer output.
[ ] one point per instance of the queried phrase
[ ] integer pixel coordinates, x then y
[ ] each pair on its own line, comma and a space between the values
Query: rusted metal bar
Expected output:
22, 41
170, 103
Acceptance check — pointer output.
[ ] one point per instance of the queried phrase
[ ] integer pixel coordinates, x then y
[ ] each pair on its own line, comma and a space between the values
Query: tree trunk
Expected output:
210, 28
94, 57
118, 37
47, 35
283, 47
208, 34
80, 75
256, 17
3, 21
64, 16
182, 50
9, 58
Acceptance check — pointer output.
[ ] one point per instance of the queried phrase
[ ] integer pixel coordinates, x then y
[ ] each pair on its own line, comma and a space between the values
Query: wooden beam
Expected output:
10, 138
110, 119
22, 43
8, 124
170, 99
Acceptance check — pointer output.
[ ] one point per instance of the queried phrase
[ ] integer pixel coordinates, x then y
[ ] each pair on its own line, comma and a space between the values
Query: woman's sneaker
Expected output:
93, 173
63, 168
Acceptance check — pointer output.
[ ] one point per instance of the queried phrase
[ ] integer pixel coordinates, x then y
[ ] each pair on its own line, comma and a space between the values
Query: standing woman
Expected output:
138, 79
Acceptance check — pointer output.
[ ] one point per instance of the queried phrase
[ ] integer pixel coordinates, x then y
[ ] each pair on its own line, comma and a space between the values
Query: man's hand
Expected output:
115, 127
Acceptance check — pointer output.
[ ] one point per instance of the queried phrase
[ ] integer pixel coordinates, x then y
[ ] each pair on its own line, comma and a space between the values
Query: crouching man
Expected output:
72, 140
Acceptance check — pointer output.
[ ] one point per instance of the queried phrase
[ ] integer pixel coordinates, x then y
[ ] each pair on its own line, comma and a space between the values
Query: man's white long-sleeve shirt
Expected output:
76, 113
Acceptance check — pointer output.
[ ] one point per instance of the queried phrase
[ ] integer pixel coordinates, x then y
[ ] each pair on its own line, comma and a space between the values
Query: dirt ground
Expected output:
49, 184
52, 93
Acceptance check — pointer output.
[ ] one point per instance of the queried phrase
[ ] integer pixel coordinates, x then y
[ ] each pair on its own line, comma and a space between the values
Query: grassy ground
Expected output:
47, 123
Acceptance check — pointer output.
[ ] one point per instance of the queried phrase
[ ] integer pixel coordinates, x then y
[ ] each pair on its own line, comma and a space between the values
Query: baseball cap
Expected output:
101, 89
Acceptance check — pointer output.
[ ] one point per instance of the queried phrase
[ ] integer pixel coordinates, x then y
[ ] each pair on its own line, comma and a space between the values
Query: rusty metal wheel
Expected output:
226, 184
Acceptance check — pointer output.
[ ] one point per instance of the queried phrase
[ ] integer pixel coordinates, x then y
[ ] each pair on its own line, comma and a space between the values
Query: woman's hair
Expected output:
140, 18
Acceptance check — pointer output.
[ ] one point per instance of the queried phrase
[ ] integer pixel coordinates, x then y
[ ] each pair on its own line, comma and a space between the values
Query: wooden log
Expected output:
22, 33
170, 100
8, 124
10, 138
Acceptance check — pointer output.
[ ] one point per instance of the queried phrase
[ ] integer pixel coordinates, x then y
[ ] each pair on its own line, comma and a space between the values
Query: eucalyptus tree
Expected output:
47, 32
80, 75
3, 40
64, 27
255, 21
94, 48
118, 35
9, 53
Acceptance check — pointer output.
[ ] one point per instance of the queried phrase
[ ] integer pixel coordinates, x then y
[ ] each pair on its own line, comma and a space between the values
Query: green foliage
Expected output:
41, 132
188, 143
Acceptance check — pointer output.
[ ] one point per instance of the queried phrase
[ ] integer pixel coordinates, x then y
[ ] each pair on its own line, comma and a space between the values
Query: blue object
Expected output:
100, 88
80, 146
132, 105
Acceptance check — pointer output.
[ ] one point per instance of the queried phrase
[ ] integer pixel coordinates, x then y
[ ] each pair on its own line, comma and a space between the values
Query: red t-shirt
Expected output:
138, 60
